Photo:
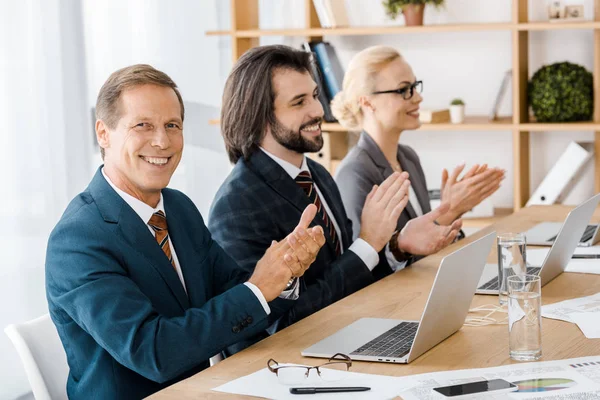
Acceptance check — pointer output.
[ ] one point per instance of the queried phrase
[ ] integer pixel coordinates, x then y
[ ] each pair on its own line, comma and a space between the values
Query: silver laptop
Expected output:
545, 234
397, 341
559, 255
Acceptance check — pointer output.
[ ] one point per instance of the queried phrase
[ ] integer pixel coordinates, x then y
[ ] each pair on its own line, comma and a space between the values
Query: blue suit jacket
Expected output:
128, 327
260, 202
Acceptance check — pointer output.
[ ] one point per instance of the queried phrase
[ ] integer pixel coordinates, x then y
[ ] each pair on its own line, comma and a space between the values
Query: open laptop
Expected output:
545, 234
559, 255
397, 341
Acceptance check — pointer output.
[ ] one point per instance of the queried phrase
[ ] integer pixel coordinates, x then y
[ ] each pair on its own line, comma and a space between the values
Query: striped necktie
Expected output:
158, 223
304, 179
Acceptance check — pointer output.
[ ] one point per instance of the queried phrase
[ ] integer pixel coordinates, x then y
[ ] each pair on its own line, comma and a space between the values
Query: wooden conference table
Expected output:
403, 296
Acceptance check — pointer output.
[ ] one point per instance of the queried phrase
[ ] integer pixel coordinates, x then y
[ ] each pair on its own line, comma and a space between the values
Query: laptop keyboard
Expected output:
394, 343
493, 283
587, 235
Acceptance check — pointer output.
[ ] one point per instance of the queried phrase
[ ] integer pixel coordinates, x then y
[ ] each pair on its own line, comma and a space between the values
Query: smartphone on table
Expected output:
473, 389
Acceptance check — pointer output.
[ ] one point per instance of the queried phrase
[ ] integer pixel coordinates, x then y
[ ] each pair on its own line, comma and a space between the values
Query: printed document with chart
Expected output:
573, 379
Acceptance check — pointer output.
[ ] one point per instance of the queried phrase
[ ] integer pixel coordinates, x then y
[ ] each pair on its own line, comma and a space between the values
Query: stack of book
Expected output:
328, 73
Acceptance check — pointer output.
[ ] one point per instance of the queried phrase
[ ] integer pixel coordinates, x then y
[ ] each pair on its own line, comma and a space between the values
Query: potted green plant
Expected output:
562, 92
411, 9
457, 111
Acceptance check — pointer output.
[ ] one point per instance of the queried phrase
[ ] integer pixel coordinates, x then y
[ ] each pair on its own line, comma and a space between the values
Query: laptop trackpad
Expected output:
350, 338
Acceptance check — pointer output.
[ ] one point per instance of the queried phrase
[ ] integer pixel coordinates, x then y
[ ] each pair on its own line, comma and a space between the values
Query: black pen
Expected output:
586, 256
314, 390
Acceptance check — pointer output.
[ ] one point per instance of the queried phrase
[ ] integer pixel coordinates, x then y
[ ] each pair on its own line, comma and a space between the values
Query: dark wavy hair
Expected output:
248, 99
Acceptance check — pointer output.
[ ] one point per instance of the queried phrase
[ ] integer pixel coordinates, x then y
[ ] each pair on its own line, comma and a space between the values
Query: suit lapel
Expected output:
420, 188
186, 251
278, 180
136, 233
281, 182
368, 144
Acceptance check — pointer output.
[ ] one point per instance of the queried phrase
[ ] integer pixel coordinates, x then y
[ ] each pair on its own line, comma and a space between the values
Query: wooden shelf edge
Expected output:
391, 30
479, 124
555, 26
560, 126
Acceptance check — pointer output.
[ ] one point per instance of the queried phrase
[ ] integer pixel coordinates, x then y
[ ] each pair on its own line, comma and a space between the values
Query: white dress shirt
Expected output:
145, 212
414, 202
361, 248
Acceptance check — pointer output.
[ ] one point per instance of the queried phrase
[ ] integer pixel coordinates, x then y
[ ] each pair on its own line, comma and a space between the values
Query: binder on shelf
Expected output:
322, 13
561, 177
331, 13
329, 64
327, 115
503, 86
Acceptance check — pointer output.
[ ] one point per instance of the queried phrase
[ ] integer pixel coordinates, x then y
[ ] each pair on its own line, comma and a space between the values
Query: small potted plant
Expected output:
411, 9
457, 111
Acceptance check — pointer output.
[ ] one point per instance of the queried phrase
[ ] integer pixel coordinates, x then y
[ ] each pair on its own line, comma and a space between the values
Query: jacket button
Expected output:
236, 329
249, 320
244, 323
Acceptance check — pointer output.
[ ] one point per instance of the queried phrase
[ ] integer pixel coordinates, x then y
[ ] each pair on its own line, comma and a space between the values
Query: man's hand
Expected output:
463, 194
304, 242
382, 209
289, 257
423, 236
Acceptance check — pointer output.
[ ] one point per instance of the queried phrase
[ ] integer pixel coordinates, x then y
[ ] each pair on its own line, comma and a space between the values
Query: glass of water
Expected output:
524, 317
512, 260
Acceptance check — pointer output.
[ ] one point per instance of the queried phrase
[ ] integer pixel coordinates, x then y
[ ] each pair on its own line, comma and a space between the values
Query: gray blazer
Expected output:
365, 166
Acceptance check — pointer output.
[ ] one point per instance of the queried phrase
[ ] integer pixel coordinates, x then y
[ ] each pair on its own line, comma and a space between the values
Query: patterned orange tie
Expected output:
158, 223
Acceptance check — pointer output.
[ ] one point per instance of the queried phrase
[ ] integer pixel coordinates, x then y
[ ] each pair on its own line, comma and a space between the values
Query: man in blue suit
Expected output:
270, 117
139, 303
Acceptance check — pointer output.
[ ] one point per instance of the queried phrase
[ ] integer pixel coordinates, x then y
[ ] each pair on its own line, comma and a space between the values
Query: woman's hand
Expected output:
479, 183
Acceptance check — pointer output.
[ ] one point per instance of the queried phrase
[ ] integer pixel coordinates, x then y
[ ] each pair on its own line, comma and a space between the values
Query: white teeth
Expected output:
311, 128
156, 160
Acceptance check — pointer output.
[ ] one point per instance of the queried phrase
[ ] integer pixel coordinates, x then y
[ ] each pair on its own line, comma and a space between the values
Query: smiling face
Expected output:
391, 110
298, 112
145, 147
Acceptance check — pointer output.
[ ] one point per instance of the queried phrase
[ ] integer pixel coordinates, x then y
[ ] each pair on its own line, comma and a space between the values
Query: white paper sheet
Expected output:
264, 383
563, 310
589, 323
536, 257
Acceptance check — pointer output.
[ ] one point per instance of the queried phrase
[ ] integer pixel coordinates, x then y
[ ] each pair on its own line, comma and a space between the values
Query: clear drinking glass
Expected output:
512, 260
525, 317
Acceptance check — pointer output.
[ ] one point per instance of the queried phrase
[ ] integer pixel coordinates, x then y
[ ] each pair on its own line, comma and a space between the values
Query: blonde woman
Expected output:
381, 97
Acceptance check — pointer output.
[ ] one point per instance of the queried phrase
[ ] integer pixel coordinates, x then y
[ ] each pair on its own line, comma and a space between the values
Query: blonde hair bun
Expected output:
345, 112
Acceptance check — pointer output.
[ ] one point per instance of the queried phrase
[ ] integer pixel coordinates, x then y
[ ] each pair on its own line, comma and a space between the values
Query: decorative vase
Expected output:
457, 114
413, 14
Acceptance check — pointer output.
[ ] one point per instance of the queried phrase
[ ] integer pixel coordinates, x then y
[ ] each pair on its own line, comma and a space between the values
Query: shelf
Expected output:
365, 30
391, 30
559, 126
554, 26
480, 123
470, 124
474, 123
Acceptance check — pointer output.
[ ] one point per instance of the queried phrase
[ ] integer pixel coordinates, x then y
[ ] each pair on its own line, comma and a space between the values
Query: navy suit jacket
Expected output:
127, 325
260, 202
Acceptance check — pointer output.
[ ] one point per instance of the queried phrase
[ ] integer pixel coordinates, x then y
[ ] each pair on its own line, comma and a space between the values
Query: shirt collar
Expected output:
290, 168
143, 210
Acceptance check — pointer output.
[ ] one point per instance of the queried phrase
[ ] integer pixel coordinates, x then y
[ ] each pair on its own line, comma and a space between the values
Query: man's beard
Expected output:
294, 141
